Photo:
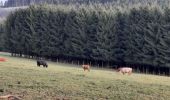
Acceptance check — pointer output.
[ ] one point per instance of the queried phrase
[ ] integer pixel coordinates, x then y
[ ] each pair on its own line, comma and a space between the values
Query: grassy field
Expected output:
21, 76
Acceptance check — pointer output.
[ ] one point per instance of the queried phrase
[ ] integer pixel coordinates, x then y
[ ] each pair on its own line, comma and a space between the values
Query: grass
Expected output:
20, 76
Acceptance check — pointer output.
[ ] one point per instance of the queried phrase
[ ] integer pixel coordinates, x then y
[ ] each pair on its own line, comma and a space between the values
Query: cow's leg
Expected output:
123, 73
130, 73
38, 65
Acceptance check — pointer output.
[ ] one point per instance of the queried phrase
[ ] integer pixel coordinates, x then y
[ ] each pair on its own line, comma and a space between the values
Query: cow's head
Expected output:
118, 69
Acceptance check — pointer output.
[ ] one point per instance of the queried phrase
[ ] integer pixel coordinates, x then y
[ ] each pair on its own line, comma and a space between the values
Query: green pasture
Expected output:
21, 76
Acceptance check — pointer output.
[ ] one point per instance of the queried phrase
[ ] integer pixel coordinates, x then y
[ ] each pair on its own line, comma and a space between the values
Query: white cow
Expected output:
125, 70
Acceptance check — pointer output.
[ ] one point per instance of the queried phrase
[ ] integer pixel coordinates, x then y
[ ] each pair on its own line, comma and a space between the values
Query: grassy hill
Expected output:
20, 76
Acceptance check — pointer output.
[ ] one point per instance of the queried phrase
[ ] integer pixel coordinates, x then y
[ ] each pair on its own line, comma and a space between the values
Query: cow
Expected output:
125, 70
2, 59
10, 97
86, 67
42, 62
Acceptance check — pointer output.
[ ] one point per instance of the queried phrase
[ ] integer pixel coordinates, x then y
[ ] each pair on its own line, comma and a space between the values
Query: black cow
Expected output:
42, 62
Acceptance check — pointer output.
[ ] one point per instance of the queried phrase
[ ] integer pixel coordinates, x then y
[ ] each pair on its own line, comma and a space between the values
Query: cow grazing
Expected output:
2, 59
42, 62
86, 67
125, 70
10, 97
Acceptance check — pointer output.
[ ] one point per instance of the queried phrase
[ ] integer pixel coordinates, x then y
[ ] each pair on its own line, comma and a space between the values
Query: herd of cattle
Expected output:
40, 62
122, 70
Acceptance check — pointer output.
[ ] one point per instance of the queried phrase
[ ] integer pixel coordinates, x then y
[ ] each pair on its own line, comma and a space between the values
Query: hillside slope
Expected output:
20, 76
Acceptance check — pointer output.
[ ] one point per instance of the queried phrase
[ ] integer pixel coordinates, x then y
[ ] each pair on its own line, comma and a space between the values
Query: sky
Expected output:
3, 0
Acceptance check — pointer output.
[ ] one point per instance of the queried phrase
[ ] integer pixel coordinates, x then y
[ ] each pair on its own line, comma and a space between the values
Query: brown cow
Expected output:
2, 59
10, 97
86, 67
125, 70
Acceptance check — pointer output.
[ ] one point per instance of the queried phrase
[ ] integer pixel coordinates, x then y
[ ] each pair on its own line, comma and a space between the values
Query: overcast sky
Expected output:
3, 0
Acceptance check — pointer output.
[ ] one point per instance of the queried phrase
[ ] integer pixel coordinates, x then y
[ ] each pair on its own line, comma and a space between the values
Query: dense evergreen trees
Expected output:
122, 3
137, 37
1, 36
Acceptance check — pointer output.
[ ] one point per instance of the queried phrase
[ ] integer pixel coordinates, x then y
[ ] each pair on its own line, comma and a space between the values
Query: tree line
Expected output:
2, 30
138, 37
123, 3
